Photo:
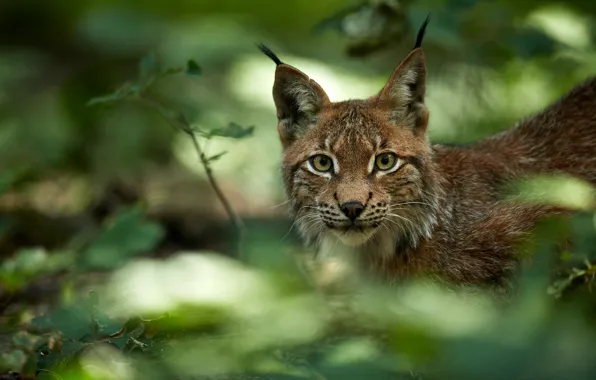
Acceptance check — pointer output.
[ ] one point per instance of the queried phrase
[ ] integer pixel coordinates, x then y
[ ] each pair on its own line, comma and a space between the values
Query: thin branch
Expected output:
179, 121
205, 162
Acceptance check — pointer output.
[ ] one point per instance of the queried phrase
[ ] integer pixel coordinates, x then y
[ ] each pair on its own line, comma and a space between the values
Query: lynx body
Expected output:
362, 176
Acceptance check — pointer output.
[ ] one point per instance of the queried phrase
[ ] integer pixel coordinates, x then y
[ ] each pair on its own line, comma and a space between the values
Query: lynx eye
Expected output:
321, 163
386, 161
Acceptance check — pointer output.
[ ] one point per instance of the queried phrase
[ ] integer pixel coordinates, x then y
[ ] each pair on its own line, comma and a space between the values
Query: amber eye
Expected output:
386, 161
321, 163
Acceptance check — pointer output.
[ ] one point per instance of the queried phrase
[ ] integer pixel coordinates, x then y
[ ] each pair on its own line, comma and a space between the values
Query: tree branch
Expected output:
178, 120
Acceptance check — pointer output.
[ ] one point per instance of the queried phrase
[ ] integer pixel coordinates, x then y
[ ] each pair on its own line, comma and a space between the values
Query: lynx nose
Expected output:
352, 209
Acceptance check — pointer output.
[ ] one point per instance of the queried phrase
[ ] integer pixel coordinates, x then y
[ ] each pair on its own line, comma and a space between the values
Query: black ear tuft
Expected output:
269, 53
421, 32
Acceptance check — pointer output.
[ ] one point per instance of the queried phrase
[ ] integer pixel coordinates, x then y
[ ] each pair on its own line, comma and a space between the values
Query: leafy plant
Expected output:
150, 71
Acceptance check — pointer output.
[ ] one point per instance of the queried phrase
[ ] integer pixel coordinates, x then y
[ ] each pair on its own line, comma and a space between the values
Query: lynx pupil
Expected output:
385, 161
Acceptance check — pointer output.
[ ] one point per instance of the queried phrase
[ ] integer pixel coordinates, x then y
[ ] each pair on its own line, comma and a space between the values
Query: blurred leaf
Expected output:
336, 22
233, 130
566, 256
73, 322
352, 351
105, 324
24, 340
216, 157
59, 361
172, 71
12, 360
17, 271
128, 234
30, 263
530, 43
132, 323
125, 91
584, 237
558, 287
193, 68
93, 299
372, 20
562, 190
371, 25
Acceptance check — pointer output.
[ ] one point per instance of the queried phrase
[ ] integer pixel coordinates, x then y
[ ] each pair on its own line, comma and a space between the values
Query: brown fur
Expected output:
442, 212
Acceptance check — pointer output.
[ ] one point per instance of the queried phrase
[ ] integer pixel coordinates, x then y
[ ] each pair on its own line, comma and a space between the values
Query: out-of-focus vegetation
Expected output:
119, 260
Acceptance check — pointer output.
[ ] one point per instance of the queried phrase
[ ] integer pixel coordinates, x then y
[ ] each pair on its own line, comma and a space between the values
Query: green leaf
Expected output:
171, 71
12, 361
125, 91
101, 322
72, 321
132, 323
105, 324
29, 263
24, 340
51, 362
216, 157
233, 130
193, 68
72, 347
93, 300
127, 235
17, 271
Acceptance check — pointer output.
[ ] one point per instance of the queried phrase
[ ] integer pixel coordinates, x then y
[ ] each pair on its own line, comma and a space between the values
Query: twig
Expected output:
224, 201
178, 120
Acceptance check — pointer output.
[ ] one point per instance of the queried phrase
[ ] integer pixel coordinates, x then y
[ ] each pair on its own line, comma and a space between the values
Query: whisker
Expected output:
397, 208
309, 217
306, 206
397, 224
316, 224
410, 203
392, 221
334, 245
281, 204
404, 218
324, 192
298, 220
384, 225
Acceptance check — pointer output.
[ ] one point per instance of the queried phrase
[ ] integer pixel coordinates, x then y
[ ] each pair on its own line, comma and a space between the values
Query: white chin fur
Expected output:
353, 238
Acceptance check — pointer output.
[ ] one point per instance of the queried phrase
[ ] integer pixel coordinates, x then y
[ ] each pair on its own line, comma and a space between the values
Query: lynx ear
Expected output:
403, 95
298, 100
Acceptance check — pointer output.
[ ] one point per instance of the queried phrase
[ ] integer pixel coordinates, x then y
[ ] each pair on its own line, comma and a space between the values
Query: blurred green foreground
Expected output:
120, 262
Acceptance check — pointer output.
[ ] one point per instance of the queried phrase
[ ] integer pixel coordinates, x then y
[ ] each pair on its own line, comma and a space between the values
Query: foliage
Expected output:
196, 316
97, 284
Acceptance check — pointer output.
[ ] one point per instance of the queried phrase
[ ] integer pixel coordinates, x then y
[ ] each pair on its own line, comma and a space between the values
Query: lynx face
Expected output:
358, 171
355, 174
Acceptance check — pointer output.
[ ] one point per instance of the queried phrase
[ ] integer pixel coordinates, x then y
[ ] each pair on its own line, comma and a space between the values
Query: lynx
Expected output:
363, 178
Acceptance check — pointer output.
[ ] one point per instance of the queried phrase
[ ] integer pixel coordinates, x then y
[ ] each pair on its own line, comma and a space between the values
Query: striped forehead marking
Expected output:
353, 140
